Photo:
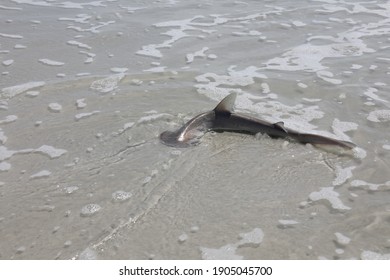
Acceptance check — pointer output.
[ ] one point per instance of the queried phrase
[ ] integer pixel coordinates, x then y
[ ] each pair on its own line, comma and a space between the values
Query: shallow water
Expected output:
86, 88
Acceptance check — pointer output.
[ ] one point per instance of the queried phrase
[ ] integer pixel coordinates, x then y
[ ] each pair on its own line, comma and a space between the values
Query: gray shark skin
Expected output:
223, 118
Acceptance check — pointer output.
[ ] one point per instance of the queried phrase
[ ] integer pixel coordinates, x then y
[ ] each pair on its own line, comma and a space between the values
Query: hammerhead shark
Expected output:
223, 118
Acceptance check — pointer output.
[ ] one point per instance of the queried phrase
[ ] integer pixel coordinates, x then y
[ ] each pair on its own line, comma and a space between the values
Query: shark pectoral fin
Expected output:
280, 125
226, 105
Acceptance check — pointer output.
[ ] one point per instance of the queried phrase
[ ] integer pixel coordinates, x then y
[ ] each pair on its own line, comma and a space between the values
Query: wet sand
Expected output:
86, 89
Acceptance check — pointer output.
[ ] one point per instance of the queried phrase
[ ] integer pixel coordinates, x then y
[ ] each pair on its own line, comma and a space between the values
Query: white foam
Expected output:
3, 137
159, 69
370, 92
298, 23
4, 105
67, 4
342, 239
379, 116
302, 85
32, 93
201, 53
255, 236
93, 29
194, 229
288, 222
265, 88
46, 150
70, 189
218, 86
88, 254
83, 74
128, 125
8, 62
178, 31
152, 118
41, 174
55, 107
183, 238
249, 33
67, 244
50, 62
50, 151
150, 50
328, 77
136, 82
5, 166
13, 91
356, 66
21, 250
309, 56
386, 147
121, 196
370, 255
342, 175
371, 186
228, 252
339, 251
373, 67
339, 128
90, 210
359, 153
119, 70
85, 115
146, 180
107, 84
11, 36
79, 44
328, 194
19, 46
81, 18
10, 8
131, 10
5, 153
90, 57
312, 100
9, 119
80, 103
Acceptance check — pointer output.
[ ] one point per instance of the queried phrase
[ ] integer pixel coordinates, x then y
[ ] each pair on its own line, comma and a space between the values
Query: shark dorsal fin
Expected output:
226, 105
280, 125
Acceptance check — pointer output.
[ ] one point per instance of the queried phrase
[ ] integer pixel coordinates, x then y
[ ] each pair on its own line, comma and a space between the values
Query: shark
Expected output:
223, 118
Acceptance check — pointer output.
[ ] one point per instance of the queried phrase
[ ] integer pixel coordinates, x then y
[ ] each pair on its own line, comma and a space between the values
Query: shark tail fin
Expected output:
322, 140
226, 105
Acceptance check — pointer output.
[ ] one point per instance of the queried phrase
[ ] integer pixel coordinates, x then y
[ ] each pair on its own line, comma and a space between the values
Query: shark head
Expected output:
190, 133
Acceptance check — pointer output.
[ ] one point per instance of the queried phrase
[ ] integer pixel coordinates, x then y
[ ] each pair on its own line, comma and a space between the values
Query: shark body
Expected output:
223, 118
